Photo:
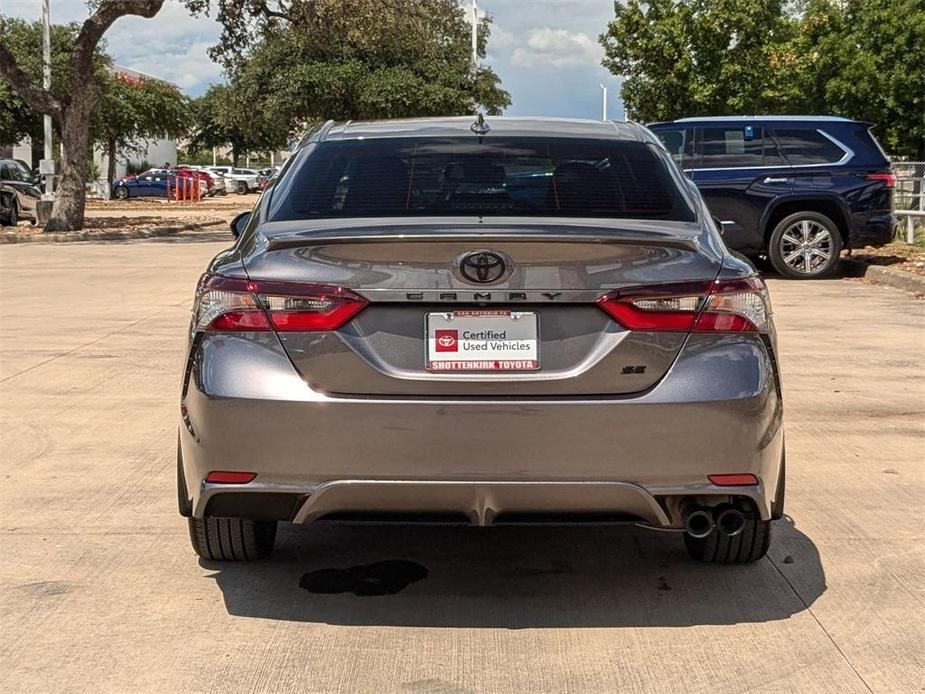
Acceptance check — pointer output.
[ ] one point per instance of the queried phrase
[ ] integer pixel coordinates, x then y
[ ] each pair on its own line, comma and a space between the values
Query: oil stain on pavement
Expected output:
379, 578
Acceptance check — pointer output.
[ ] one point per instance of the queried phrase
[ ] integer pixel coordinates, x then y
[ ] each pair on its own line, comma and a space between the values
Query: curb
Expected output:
891, 277
9, 237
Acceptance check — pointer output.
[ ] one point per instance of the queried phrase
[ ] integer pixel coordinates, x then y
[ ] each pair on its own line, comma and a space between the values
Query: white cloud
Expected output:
500, 38
182, 65
559, 48
173, 45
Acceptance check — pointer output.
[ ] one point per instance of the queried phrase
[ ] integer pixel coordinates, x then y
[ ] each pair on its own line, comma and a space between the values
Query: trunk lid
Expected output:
410, 272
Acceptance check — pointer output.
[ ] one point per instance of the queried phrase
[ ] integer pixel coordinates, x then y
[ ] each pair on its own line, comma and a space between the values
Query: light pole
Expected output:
604, 102
48, 166
475, 36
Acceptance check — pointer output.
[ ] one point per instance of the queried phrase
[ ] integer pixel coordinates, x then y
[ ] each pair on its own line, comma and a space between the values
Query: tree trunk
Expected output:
110, 161
68, 211
235, 156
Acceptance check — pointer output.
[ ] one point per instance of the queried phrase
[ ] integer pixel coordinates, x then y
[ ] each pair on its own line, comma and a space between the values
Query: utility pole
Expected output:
46, 83
475, 36
604, 104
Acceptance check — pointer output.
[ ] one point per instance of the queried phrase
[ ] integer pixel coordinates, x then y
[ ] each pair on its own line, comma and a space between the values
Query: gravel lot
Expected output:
100, 591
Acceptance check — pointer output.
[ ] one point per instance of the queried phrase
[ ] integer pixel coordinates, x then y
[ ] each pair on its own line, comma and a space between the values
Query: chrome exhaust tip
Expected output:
730, 521
699, 523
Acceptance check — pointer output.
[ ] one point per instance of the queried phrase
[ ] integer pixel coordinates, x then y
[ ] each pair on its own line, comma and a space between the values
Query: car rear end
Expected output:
219, 185
866, 183
513, 328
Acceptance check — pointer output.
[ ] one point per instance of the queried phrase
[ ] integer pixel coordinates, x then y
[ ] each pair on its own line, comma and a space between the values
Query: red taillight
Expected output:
736, 480
241, 320
234, 304
720, 306
228, 477
888, 178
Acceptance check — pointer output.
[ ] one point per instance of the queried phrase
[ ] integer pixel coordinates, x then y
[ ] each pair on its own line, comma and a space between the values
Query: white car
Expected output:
239, 180
219, 186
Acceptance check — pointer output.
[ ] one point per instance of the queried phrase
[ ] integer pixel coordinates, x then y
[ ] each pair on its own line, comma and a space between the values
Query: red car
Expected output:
202, 176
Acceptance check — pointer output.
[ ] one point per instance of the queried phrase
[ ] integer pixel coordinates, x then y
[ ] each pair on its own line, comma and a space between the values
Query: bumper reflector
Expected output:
222, 477
737, 480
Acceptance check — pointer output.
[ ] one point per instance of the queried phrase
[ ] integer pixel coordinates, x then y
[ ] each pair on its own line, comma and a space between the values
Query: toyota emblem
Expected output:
482, 267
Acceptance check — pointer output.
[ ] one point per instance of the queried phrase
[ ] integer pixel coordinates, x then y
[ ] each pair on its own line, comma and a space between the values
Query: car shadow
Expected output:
845, 268
514, 578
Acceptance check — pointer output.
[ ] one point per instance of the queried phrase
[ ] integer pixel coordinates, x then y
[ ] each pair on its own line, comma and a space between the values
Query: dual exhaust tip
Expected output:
700, 521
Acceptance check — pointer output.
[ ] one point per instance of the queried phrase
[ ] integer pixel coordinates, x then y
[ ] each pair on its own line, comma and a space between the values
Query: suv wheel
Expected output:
12, 218
805, 245
748, 545
232, 539
241, 188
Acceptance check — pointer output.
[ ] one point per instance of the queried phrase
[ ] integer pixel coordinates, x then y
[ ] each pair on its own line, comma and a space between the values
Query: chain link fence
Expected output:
910, 200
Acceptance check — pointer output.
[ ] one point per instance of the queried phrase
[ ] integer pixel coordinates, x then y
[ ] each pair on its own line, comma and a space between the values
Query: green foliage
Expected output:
855, 58
200, 156
131, 112
866, 60
125, 113
225, 115
695, 57
24, 40
134, 168
305, 61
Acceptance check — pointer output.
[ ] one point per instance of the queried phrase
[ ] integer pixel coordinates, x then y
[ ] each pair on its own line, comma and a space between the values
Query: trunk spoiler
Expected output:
484, 234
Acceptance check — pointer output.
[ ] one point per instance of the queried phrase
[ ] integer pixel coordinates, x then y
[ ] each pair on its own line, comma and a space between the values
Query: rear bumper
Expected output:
717, 411
872, 229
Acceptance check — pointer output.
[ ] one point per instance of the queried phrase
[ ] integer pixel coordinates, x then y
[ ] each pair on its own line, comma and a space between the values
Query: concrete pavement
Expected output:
100, 591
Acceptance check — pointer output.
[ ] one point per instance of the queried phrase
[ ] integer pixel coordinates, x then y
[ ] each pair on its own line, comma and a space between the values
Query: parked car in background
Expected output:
19, 193
153, 183
218, 185
205, 177
506, 322
239, 180
795, 189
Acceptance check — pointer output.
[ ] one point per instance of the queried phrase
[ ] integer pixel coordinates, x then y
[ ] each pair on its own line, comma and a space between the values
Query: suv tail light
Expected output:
233, 304
888, 178
719, 306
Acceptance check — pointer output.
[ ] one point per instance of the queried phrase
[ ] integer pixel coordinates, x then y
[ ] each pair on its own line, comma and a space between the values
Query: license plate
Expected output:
482, 341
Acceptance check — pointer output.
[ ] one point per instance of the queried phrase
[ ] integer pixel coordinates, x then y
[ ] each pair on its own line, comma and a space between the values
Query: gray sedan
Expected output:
505, 321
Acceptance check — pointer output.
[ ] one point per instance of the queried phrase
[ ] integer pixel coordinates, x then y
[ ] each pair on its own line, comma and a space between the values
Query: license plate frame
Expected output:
483, 354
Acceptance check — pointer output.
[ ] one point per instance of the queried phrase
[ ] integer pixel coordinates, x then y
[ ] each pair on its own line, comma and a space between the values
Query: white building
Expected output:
155, 152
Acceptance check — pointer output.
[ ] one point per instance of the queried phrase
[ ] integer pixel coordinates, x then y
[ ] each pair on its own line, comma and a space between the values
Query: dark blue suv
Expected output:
794, 189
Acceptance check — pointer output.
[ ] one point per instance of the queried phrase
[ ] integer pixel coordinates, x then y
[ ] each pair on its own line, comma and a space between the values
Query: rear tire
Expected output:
805, 246
122, 193
232, 539
743, 548
12, 217
241, 188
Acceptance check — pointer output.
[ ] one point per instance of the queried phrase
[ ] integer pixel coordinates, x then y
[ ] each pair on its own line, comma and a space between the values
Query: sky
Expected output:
545, 51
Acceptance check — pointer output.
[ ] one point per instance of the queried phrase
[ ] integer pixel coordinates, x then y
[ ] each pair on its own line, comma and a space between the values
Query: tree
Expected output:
865, 60
24, 41
132, 111
696, 57
854, 58
303, 61
71, 107
225, 115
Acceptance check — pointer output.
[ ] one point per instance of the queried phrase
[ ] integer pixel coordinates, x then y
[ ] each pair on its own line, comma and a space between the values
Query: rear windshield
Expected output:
462, 176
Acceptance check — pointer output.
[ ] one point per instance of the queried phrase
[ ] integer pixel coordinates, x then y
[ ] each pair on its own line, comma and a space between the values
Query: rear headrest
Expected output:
580, 186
